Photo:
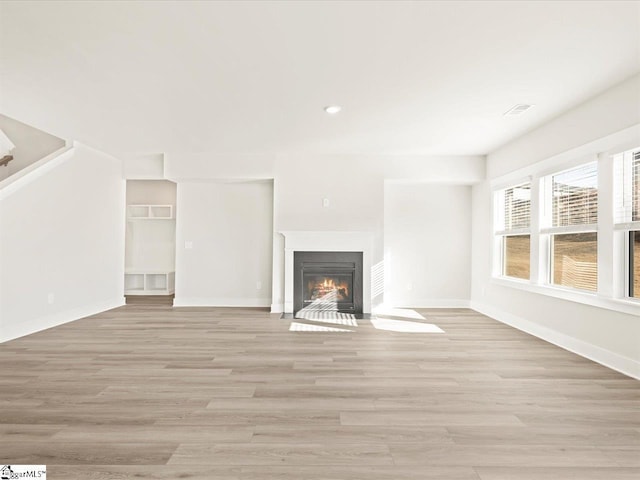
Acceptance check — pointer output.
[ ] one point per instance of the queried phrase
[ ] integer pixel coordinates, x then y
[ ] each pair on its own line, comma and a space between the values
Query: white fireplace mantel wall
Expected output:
310, 241
345, 198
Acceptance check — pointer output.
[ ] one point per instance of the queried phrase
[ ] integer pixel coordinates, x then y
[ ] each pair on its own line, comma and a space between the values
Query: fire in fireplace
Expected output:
336, 288
328, 281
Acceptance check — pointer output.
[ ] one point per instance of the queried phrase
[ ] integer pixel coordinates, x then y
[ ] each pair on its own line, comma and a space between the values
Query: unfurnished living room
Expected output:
320, 240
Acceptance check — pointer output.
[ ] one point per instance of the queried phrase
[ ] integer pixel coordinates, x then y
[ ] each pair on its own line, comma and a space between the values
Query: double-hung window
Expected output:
513, 230
571, 199
572, 231
627, 215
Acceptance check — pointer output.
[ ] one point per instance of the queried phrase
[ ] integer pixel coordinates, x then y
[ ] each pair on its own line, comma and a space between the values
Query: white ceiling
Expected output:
412, 77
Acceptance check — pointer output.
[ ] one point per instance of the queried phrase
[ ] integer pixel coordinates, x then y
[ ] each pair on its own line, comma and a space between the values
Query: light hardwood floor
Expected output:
154, 392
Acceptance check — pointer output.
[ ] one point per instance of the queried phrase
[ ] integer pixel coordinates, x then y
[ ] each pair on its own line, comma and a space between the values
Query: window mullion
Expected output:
537, 270
606, 209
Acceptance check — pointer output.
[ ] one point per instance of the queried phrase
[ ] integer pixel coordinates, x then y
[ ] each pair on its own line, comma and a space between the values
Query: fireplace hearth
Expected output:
327, 281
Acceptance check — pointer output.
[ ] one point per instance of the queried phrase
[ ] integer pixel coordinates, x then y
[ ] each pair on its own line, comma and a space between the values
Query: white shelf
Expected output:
134, 282
150, 238
149, 282
150, 212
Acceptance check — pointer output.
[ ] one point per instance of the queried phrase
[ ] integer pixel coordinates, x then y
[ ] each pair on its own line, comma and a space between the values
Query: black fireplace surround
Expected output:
327, 281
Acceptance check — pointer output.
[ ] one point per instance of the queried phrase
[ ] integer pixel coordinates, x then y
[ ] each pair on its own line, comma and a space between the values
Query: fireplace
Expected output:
329, 242
327, 281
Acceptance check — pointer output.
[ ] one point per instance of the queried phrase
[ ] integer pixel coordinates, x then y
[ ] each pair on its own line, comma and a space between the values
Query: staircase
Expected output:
22, 145
6, 149
4, 161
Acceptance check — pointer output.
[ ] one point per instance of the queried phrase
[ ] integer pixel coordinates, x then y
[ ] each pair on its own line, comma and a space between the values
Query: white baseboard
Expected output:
11, 331
434, 303
277, 308
220, 302
600, 355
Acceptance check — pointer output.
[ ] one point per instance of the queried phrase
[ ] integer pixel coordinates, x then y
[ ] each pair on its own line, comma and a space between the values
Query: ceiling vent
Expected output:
517, 110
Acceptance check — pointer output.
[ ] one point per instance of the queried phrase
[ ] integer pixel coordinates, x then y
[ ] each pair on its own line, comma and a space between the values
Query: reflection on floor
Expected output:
403, 326
305, 327
398, 312
314, 320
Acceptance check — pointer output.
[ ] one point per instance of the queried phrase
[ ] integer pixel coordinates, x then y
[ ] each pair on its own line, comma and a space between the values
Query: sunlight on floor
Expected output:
398, 312
403, 326
303, 327
335, 318
326, 315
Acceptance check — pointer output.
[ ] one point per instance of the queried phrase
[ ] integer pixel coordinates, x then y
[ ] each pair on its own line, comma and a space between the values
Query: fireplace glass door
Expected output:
321, 289
327, 281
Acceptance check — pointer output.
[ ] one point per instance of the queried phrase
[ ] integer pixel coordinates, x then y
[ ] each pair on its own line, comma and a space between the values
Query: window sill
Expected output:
630, 307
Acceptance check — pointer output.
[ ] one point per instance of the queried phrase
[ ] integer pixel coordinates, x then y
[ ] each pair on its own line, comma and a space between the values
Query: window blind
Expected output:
516, 207
635, 187
575, 196
627, 187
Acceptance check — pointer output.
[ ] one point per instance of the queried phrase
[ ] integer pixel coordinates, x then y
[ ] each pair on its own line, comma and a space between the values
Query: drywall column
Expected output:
427, 242
224, 244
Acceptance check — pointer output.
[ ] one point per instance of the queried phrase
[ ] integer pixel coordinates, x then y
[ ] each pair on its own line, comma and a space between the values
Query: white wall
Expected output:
354, 191
427, 242
355, 188
31, 145
151, 192
607, 336
353, 184
614, 110
230, 227
143, 166
61, 243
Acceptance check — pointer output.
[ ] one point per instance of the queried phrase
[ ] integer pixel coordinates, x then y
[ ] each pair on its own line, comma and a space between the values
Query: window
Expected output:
571, 232
573, 196
627, 214
513, 230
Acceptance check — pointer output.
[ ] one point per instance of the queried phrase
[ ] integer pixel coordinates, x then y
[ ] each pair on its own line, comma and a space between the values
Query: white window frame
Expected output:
612, 237
623, 220
548, 231
501, 232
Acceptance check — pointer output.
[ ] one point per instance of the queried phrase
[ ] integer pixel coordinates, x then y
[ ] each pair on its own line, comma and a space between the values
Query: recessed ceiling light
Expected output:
517, 109
332, 109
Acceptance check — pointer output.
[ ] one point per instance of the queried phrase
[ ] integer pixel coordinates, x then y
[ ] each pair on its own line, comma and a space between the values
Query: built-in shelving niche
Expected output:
150, 238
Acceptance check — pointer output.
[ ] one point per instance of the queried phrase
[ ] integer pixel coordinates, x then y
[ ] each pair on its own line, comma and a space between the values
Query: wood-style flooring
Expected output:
148, 391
